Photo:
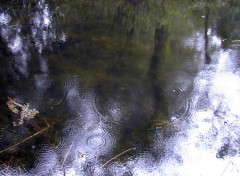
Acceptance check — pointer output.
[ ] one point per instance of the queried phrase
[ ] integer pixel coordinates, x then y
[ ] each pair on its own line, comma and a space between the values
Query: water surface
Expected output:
128, 87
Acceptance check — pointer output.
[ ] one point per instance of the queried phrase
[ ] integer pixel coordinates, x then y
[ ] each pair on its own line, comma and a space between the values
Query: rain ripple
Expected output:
8, 170
111, 110
46, 161
96, 141
181, 104
99, 140
178, 94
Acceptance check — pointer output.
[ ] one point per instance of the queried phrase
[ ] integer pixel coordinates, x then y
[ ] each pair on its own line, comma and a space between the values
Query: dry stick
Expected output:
161, 123
235, 41
66, 155
61, 99
14, 102
24, 140
230, 162
118, 156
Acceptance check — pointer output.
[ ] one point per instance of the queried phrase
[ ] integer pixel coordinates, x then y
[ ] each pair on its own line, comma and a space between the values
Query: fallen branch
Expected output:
230, 162
26, 139
118, 156
161, 122
66, 155
157, 124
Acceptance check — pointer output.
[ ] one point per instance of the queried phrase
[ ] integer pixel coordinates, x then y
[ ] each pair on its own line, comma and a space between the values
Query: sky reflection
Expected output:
107, 115
209, 145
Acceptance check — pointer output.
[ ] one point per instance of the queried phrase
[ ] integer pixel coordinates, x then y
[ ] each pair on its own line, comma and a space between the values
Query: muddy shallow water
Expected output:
122, 88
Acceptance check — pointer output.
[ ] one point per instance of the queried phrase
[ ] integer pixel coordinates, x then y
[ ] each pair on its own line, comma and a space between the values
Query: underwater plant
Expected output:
22, 111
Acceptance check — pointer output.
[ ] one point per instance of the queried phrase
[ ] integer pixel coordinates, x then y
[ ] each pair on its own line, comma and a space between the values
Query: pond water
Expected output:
125, 87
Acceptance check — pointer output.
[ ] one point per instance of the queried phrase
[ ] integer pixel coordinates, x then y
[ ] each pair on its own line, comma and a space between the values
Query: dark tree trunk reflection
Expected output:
207, 57
160, 105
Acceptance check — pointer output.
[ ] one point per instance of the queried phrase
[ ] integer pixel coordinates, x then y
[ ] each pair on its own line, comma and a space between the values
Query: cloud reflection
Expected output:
4, 19
214, 127
85, 137
208, 143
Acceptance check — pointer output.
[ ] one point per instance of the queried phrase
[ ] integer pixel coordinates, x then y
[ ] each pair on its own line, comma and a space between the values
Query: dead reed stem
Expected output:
230, 162
118, 156
66, 155
26, 139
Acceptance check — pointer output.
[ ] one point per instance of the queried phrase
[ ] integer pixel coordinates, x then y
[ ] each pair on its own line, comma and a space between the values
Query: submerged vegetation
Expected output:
22, 115
24, 137
22, 111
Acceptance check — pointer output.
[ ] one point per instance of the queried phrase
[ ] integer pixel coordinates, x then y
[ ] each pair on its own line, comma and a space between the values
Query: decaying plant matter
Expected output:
25, 115
22, 111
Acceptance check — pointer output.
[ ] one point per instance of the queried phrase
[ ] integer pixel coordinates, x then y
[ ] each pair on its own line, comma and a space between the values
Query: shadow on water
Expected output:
128, 87
160, 104
207, 57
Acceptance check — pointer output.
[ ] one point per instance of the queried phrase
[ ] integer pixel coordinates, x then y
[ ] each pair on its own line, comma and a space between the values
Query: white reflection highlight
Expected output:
43, 65
229, 86
37, 19
42, 32
216, 41
4, 19
195, 42
85, 137
22, 63
16, 44
46, 17
215, 124
208, 143
63, 37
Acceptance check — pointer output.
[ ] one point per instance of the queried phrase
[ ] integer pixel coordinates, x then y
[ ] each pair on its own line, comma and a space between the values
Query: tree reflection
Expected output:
160, 104
207, 57
228, 31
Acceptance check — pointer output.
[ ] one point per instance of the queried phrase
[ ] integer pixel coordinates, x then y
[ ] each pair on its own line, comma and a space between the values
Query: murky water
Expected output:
122, 87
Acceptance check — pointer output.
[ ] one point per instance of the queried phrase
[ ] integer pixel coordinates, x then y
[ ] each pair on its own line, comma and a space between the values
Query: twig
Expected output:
235, 41
161, 122
14, 102
66, 155
158, 124
24, 140
61, 99
230, 162
118, 156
